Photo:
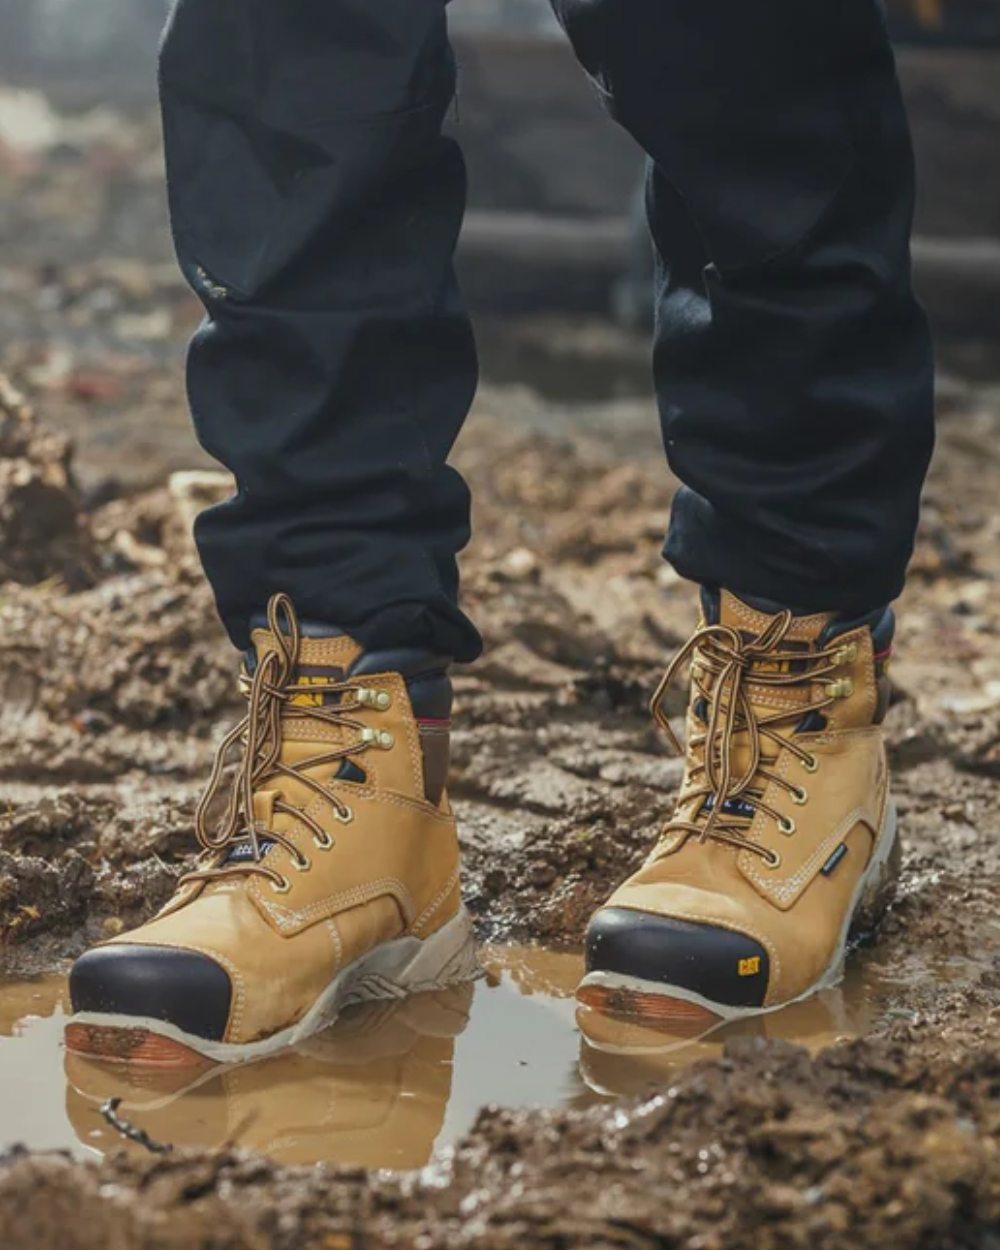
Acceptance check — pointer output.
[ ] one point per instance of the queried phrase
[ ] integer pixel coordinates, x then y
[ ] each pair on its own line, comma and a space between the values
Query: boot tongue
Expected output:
323, 663
323, 660
752, 616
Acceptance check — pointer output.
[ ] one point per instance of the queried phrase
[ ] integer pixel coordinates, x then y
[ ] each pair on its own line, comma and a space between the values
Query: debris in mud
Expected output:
42, 530
109, 1112
560, 783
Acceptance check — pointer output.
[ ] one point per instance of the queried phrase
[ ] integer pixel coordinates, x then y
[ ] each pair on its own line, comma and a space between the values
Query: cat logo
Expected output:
317, 677
750, 967
773, 666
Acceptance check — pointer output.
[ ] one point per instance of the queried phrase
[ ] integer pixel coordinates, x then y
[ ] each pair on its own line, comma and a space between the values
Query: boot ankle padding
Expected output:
409, 662
435, 746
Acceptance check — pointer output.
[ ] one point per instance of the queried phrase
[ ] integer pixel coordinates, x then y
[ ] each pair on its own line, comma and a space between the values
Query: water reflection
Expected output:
390, 1082
622, 1055
372, 1090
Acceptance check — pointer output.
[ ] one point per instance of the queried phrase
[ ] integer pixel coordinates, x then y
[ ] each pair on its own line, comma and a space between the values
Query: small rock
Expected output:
519, 565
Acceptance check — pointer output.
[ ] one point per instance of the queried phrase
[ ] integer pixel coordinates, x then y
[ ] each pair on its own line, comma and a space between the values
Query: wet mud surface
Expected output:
115, 682
390, 1083
113, 695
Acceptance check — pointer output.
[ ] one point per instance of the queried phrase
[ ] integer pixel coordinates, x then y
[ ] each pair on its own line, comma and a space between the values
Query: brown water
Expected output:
390, 1081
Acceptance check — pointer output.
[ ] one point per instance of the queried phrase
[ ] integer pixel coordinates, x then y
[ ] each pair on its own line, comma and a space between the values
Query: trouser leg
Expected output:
792, 363
315, 208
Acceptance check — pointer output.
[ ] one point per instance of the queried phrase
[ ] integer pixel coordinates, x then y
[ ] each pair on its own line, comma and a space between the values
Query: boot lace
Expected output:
270, 692
726, 665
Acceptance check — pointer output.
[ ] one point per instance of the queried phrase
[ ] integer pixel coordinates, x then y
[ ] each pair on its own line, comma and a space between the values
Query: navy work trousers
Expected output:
316, 204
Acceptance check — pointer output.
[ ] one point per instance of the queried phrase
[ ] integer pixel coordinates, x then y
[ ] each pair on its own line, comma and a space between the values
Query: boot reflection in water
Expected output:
624, 1054
372, 1090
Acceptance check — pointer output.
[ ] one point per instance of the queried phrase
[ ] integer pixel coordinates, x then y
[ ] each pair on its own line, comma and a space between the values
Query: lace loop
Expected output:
725, 665
271, 692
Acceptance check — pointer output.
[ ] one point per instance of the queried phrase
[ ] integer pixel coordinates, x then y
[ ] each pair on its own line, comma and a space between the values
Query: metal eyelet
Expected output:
281, 886
323, 843
346, 816
301, 863
380, 738
847, 654
800, 796
379, 699
811, 764
786, 825
842, 688
774, 861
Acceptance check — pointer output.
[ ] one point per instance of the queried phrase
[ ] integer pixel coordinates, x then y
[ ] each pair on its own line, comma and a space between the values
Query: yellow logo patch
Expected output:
311, 700
772, 666
750, 967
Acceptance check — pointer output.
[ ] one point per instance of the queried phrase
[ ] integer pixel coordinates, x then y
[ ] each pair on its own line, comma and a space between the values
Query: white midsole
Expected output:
831, 976
403, 966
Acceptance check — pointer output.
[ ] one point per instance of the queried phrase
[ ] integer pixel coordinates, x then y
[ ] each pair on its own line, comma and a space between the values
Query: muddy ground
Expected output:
115, 681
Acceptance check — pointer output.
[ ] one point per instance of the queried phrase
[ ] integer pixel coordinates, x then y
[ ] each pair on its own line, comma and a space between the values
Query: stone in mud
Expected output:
43, 533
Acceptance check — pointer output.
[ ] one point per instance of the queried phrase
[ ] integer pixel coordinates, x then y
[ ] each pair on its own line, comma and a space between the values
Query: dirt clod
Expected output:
42, 530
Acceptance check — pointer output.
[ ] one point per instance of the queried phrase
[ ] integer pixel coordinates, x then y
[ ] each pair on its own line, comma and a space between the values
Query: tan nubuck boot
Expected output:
330, 877
783, 839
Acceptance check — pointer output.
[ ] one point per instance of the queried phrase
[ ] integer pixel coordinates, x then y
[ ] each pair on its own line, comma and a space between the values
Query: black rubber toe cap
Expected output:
183, 988
719, 964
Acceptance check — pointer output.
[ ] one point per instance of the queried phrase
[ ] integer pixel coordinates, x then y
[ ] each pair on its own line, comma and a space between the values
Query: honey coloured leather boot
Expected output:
331, 875
783, 839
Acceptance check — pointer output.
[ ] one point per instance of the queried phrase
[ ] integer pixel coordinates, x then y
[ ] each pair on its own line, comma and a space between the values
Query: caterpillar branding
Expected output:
318, 677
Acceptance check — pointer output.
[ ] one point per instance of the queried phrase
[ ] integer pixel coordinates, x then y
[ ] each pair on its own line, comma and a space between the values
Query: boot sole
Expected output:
406, 965
658, 1004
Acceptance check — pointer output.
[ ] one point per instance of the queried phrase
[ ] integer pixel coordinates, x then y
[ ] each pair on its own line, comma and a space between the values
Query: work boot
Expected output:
330, 876
783, 838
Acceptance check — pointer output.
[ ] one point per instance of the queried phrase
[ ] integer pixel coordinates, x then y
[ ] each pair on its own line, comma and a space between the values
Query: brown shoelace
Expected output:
725, 665
270, 692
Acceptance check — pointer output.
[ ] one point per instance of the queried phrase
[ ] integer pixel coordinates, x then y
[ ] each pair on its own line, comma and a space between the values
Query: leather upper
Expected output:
792, 901
388, 864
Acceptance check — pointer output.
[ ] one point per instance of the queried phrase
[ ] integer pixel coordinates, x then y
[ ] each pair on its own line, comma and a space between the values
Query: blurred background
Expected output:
554, 258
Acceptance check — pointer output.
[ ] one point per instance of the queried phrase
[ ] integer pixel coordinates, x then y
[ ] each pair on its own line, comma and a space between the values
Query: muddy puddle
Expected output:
391, 1082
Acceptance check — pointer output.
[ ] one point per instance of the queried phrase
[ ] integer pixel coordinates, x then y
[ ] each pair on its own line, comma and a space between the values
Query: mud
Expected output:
115, 682
391, 1082
880, 1142
115, 691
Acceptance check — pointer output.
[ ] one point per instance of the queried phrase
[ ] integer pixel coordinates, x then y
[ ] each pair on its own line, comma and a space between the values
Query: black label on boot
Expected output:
831, 864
